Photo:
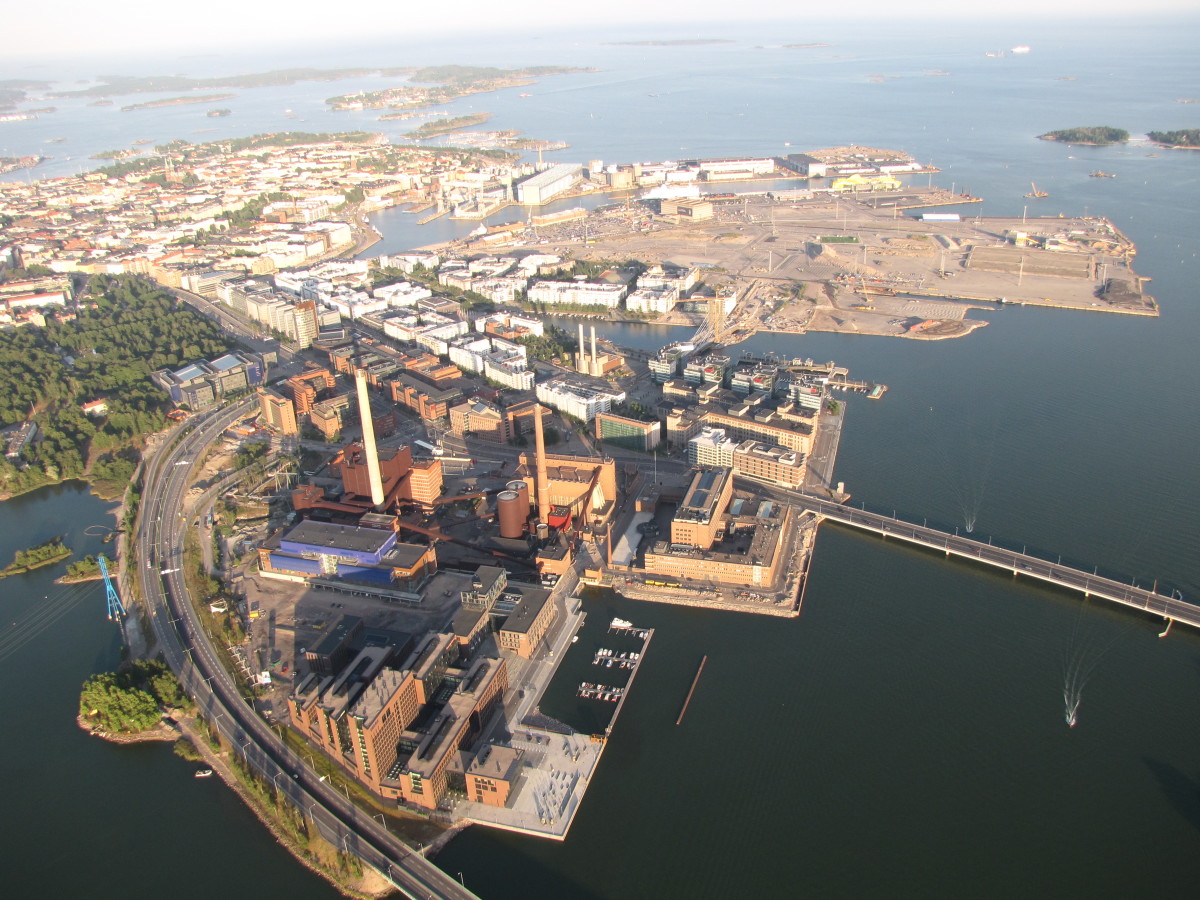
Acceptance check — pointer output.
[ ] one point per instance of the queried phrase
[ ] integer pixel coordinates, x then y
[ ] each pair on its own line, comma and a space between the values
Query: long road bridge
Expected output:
1088, 583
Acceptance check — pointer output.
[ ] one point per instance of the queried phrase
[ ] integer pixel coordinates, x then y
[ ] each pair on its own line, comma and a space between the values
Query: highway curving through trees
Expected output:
159, 541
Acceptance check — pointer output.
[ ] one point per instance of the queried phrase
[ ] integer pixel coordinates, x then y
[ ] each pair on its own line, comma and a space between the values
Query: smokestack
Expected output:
582, 354
543, 480
595, 362
368, 429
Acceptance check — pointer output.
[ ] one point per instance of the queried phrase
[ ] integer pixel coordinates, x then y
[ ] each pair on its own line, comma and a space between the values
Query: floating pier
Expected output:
695, 681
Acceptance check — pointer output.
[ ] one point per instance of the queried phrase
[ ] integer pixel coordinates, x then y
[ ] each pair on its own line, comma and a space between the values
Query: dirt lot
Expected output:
866, 249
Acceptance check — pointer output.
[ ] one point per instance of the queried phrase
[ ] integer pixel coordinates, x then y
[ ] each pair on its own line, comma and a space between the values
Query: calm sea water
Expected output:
905, 735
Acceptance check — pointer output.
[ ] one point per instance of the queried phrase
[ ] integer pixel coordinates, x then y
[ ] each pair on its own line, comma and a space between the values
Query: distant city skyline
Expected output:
78, 27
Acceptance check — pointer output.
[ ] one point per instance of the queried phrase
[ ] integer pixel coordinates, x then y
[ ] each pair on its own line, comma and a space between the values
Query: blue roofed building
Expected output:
203, 383
328, 552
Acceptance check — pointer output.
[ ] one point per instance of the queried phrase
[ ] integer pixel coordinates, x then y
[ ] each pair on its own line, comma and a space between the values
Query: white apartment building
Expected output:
711, 447
582, 293
652, 300
403, 293
576, 399
506, 320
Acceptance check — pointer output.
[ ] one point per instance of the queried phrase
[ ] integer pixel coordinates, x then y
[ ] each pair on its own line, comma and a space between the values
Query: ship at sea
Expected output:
1020, 48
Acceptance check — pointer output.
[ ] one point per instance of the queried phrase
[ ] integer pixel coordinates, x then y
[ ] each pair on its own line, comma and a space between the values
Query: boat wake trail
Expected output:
1084, 653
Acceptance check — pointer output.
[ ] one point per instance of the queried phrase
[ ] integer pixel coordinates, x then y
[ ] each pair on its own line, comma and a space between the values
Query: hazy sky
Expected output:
84, 26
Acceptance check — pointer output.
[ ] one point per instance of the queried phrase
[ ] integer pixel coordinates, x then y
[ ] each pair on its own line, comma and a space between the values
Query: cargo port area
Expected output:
877, 262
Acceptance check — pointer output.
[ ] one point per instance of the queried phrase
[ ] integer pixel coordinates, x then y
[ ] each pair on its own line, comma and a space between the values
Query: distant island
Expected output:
177, 101
14, 90
1096, 135
680, 42
445, 126
440, 84
1187, 137
216, 113
115, 154
115, 85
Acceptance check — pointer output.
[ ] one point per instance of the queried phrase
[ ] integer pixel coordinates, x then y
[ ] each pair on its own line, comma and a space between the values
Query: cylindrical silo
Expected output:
522, 491
508, 511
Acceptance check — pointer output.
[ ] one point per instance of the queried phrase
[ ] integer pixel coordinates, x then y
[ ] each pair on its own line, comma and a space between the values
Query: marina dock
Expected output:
630, 660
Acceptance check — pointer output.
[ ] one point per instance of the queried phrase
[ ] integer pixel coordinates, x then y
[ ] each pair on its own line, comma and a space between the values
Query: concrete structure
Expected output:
768, 426
526, 627
305, 389
425, 400
711, 447
425, 776
751, 551
277, 412
578, 397
698, 516
632, 434
545, 185
511, 514
372, 453
542, 484
774, 465
482, 420
202, 384
577, 293
570, 488
358, 717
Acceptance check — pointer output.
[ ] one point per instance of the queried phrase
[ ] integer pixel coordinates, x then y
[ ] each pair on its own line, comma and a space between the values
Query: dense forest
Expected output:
125, 329
129, 701
1092, 134
1186, 137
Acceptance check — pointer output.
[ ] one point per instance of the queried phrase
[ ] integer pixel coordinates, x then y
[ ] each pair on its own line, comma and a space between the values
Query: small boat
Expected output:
575, 639
621, 623
203, 773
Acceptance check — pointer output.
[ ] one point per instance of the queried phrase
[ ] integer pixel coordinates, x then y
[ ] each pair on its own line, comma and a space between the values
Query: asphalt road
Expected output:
187, 650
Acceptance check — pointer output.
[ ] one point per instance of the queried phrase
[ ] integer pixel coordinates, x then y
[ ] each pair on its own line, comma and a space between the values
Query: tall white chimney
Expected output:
595, 360
581, 356
368, 430
542, 479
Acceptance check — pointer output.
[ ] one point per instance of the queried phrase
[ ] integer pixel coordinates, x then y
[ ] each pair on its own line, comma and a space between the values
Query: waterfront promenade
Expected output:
1088, 583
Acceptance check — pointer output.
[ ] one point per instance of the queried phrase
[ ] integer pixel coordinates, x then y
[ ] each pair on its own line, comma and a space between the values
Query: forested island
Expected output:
122, 331
1096, 135
446, 126
46, 554
1186, 137
177, 101
441, 84
86, 569
14, 90
130, 701
115, 85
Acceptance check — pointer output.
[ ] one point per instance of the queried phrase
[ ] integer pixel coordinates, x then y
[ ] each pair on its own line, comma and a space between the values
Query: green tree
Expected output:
112, 703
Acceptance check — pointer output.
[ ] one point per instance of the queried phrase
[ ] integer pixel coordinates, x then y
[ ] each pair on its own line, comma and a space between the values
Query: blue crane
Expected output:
115, 610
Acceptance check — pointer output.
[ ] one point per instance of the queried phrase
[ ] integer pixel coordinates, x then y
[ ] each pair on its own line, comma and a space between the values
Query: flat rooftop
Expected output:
533, 601
345, 537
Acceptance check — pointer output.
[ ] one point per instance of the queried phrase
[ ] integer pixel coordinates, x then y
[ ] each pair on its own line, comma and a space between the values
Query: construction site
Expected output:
871, 261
